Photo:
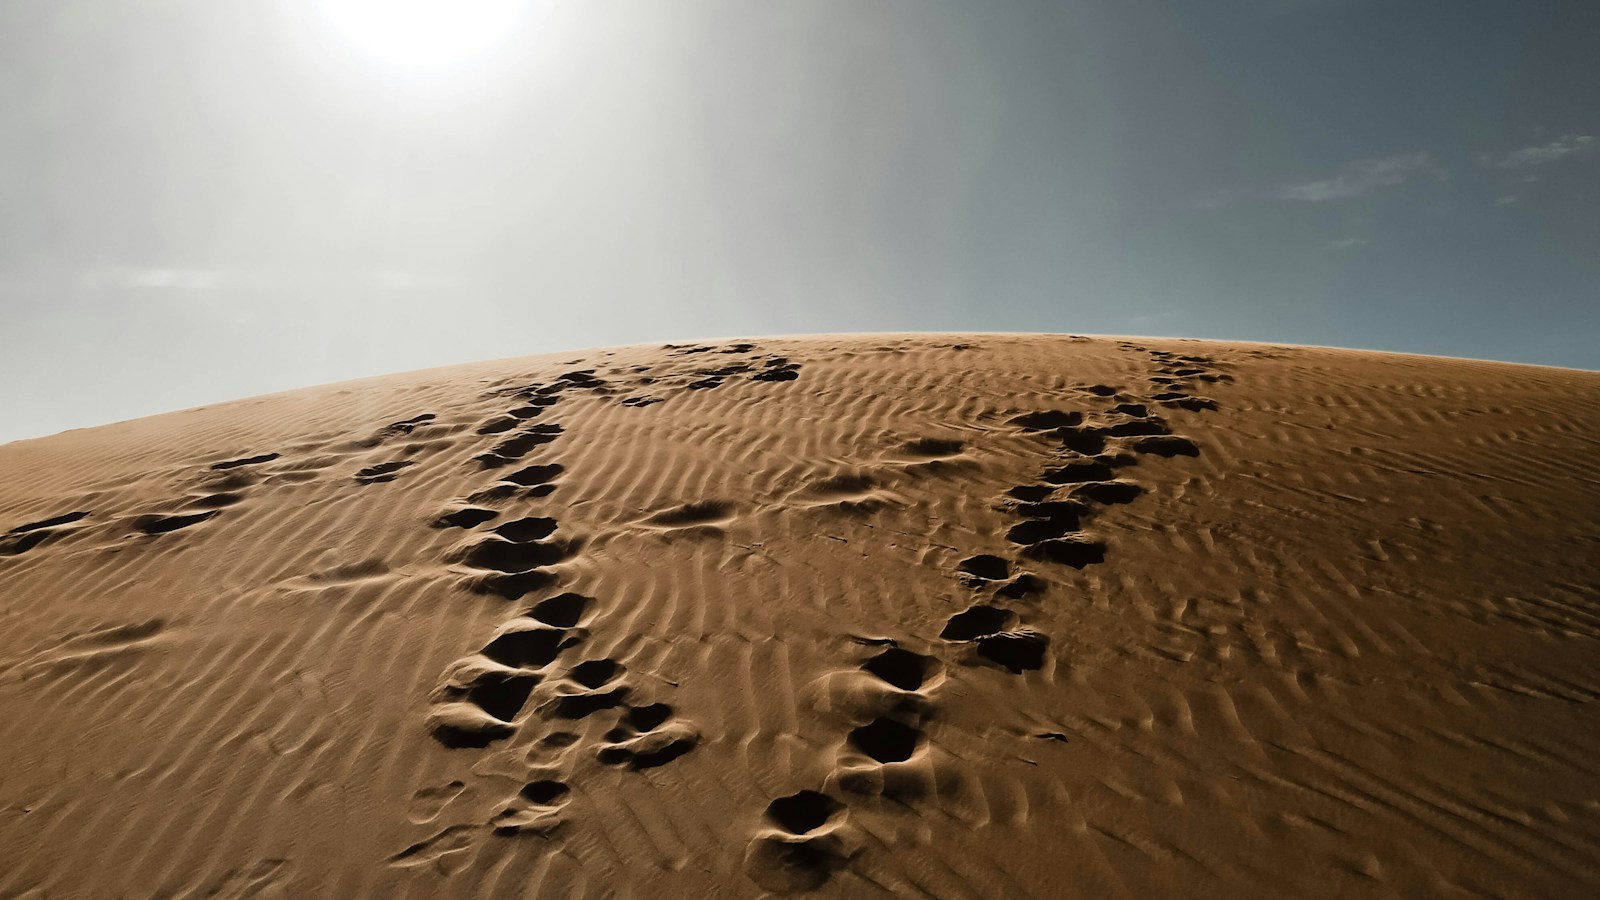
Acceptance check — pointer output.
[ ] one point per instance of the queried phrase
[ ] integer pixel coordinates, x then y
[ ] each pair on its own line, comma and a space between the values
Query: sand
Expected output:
917, 615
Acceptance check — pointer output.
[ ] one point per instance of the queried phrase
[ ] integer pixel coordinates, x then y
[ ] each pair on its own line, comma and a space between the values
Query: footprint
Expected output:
534, 476
645, 738
1108, 491
1047, 420
901, 668
562, 611
800, 850
1017, 651
1032, 531
1026, 584
975, 622
383, 471
52, 522
533, 528
1086, 439
885, 740
218, 500
466, 517
1167, 445
1136, 427
583, 378
590, 686
985, 567
509, 451
1185, 401
244, 461
23, 538
1076, 552
525, 643
499, 692
928, 448
446, 850
428, 803
785, 372
535, 809
501, 555
804, 812
406, 426
1032, 493
463, 725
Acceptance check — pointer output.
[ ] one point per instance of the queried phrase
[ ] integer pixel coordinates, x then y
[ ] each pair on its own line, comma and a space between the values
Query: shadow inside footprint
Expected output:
975, 623
1016, 651
562, 610
900, 668
533, 528
803, 812
986, 566
527, 647
467, 517
886, 740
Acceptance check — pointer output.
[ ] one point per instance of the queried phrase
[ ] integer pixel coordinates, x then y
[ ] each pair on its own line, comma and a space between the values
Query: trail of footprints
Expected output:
804, 840
221, 485
759, 367
532, 659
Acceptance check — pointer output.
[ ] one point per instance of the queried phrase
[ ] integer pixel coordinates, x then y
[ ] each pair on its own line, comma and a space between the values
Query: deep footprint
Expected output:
901, 668
885, 740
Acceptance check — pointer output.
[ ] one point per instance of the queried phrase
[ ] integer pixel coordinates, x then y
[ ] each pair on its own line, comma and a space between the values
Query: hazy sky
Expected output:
206, 199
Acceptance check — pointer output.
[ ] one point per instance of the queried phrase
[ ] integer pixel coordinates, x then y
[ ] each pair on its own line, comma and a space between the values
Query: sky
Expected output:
202, 200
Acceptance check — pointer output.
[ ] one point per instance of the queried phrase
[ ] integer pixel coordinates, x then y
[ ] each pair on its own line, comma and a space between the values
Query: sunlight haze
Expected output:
204, 199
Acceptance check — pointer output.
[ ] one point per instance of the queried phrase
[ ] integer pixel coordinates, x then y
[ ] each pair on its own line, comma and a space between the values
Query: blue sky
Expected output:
207, 199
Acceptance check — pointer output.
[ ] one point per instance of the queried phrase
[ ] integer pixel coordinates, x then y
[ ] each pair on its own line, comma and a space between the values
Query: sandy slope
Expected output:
983, 616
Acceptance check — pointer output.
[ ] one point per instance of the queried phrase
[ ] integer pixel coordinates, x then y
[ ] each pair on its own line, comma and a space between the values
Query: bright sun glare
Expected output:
420, 36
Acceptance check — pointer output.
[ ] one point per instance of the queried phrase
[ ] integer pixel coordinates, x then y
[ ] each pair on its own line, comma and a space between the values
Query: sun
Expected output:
415, 37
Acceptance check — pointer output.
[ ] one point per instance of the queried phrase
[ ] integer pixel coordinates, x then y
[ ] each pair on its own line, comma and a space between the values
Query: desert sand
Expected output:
954, 616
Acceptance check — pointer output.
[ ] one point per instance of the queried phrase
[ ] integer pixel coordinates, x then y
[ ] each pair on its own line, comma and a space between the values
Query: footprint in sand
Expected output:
801, 845
646, 737
25, 537
536, 809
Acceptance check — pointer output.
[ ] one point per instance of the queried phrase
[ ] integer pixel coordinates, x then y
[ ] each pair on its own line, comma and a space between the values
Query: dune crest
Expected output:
951, 616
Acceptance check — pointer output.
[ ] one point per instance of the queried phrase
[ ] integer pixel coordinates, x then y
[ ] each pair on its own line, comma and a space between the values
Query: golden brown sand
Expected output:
943, 616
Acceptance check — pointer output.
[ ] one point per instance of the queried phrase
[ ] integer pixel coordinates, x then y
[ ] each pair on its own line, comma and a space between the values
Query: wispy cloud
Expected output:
1348, 243
1363, 177
1354, 179
1543, 154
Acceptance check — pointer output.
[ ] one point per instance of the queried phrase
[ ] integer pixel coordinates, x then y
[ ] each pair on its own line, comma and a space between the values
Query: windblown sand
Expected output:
943, 616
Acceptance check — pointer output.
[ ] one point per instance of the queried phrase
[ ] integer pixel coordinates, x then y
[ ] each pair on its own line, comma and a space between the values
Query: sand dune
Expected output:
944, 616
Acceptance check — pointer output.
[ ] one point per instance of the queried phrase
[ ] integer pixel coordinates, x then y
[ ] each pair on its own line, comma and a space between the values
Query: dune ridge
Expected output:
940, 615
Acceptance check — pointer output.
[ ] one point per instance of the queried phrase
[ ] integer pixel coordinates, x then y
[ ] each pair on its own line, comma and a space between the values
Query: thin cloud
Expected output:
1363, 177
1348, 243
1543, 154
